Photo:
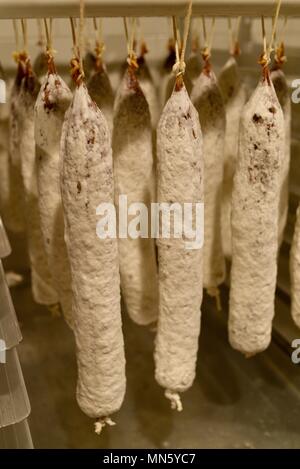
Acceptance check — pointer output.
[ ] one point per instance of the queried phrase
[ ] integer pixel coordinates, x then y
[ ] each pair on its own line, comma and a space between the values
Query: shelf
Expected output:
119, 8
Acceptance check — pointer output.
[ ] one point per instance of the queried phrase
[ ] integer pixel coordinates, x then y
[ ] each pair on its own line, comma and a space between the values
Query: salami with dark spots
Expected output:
41, 279
93, 261
283, 94
207, 99
255, 200
180, 180
52, 102
135, 178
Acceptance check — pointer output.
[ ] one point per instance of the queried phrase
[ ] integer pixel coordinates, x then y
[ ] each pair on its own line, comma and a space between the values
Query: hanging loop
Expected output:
179, 66
77, 72
280, 57
130, 39
265, 57
50, 52
208, 41
99, 46
234, 46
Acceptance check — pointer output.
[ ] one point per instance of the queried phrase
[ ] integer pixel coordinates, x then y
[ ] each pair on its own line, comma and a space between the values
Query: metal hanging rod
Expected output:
140, 8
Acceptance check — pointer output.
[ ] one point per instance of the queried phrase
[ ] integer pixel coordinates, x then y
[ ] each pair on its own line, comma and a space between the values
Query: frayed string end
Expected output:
103, 422
174, 397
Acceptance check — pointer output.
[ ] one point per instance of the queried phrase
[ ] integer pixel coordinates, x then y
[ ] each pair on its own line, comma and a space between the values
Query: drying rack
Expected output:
142, 8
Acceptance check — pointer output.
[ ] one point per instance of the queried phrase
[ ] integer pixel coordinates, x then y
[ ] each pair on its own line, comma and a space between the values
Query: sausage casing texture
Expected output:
234, 94
295, 271
41, 280
255, 199
283, 94
135, 178
168, 86
207, 99
52, 102
180, 179
87, 181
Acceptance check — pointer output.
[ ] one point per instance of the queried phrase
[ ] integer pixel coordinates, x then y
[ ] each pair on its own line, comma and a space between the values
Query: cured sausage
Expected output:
234, 96
41, 281
170, 83
283, 94
86, 182
207, 99
134, 177
52, 102
180, 180
168, 78
255, 199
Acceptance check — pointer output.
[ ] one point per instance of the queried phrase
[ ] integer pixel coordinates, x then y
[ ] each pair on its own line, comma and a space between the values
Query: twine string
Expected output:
270, 47
16, 33
81, 34
23, 56
130, 40
187, 22
265, 58
176, 39
126, 34
179, 66
280, 57
77, 72
41, 38
24, 32
50, 52
234, 46
17, 53
207, 39
100, 46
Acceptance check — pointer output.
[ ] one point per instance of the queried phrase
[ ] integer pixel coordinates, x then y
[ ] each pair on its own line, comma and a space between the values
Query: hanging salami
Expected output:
86, 182
50, 107
234, 94
135, 179
255, 201
180, 180
283, 94
208, 101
